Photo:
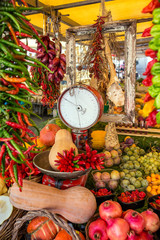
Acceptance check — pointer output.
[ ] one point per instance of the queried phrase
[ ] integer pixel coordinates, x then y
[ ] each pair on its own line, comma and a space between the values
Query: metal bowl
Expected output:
41, 161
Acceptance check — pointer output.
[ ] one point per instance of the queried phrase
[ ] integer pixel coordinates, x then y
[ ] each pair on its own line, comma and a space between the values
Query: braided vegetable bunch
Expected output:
16, 88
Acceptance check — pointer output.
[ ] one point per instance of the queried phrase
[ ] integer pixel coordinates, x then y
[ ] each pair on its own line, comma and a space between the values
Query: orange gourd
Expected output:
76, 204
42, 228
63, 141
47, 134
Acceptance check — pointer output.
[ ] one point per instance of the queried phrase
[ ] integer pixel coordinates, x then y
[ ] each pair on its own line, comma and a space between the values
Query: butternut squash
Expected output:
63, 141
77, 204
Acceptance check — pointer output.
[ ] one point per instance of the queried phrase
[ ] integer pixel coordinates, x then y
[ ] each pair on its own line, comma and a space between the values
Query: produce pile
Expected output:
52, 57
114, 224
16, 87
154, 184
152, 72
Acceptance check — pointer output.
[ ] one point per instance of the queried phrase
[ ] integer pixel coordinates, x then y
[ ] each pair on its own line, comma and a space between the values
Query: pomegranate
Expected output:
110, 209
135, 220
151, 219
98, 230
117, 228
125, 212
145, 236
132, 235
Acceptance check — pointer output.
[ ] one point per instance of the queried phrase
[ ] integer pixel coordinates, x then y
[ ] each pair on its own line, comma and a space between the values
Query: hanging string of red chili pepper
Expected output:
16, 87
152, 71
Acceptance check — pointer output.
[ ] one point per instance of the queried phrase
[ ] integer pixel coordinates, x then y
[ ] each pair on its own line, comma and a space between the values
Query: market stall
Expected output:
93, 171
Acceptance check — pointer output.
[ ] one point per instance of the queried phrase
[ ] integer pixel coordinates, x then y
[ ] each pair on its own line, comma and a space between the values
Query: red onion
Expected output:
135, 220
98, 230
132, 235
109, 209
152, 222
117, 228
63, 57
145, 236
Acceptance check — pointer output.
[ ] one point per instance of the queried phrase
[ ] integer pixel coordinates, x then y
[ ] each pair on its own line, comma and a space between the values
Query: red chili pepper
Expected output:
13, 33
31, 26
16, 125
148, 80
21, 123
147, 97
3, 149
149, 66
29, 149
25, 4
23, 35
151, 6
26, 47
14, 91
5, 139
21, 85
151, 53
26, 119
13, 2
30, 166
146, 32
11, 172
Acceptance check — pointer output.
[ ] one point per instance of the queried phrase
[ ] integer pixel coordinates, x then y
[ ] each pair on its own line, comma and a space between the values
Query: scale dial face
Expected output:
79, 107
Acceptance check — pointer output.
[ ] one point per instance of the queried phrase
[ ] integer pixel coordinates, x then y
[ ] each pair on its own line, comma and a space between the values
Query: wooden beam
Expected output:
78, 4
47, 10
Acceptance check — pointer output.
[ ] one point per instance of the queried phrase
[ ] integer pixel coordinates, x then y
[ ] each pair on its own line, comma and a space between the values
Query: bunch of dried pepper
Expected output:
153, 67
69, 162
56, 62
16, 87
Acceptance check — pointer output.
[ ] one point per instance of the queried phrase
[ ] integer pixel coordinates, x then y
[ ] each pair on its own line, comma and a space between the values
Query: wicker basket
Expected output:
89, 222
7, 227
19, 224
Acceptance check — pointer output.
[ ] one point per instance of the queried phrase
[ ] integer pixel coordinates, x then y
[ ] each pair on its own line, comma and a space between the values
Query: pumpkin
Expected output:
42, 228
63, 141
47, 134
98, 139
63, 235
77, 204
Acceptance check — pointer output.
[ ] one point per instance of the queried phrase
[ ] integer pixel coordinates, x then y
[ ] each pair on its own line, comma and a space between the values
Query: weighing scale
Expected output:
80, 107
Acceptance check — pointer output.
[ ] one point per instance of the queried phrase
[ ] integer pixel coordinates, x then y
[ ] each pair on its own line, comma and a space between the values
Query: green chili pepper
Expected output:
15, 118
6, 134
15, 172
12, 18
18, 52
10, 44
16, 73
21, 110
157, 101
4, 19
5, 113
2, 29
38, 62
155, 70
20, 99
19, 138
11, 156
3, 164
9, 64
21, 16
153, 91
6, 51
